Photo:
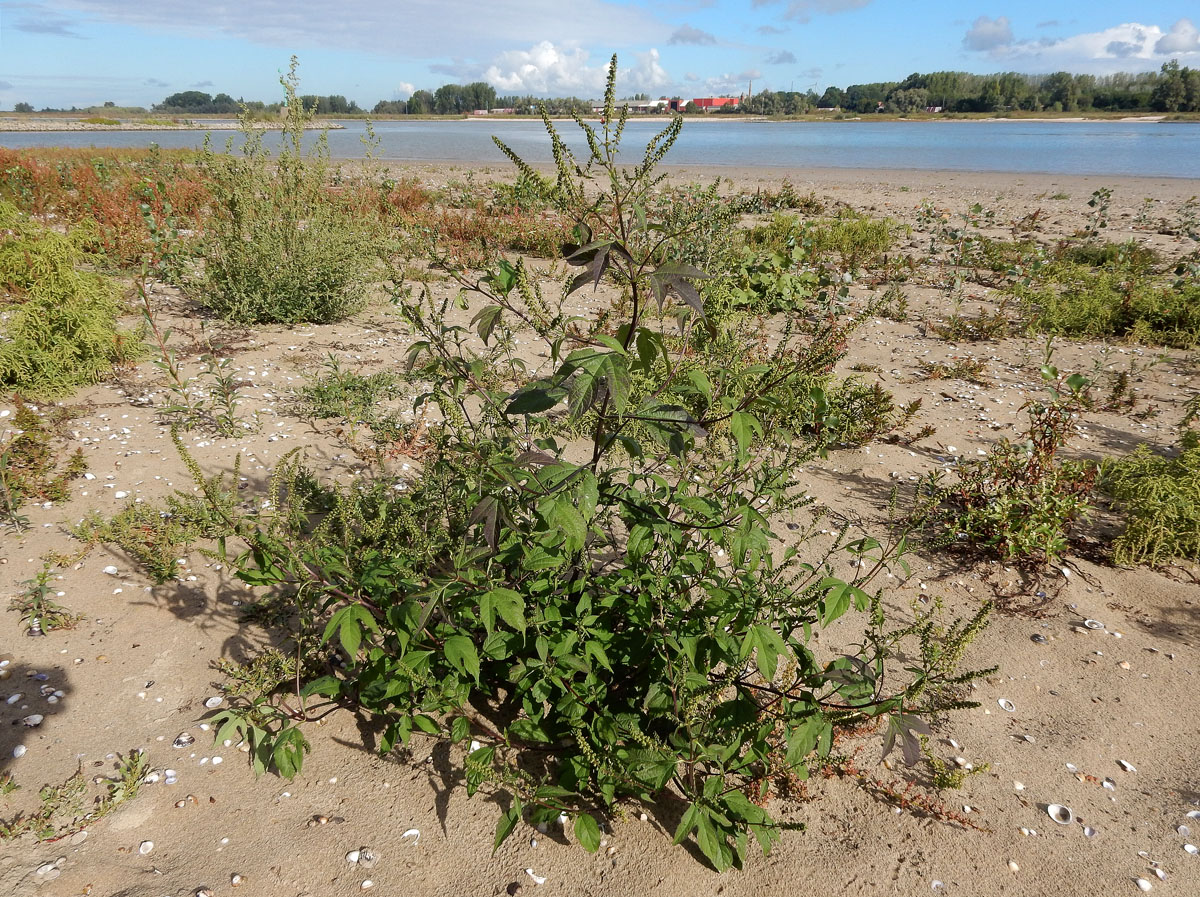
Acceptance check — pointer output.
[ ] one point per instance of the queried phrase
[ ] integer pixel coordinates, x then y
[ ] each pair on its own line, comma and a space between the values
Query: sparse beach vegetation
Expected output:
577, 511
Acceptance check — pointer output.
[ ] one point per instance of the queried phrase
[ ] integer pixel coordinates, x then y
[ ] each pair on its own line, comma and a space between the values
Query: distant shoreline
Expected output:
18, 123
59, 125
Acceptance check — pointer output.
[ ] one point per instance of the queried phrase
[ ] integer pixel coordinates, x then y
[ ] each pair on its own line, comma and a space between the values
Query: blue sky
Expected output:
83, 52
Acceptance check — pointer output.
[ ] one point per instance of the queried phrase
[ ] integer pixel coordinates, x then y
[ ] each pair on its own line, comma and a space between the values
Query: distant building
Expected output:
640, 106
709, 103
509, 111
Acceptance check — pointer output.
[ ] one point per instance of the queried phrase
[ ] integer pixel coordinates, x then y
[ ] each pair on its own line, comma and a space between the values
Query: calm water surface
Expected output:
1103, 148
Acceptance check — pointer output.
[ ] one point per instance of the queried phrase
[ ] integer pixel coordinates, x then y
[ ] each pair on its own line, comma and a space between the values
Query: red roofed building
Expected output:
707, 103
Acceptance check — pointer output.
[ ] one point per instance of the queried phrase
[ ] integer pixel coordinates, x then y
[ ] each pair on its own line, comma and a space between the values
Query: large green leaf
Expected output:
462, 654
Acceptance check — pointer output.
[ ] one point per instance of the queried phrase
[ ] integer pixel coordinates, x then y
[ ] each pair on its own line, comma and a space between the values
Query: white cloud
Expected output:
405, 90
783, 57
804, 10
1130, 46
731, 84
415, 29
686, 34
547, 69
1182, 38
988, 34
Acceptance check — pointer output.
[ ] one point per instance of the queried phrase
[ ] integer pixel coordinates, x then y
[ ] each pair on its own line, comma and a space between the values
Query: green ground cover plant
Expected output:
602, 620
60, 320
154, 535
1020, 500
1122, 302
31, 467
1160, 499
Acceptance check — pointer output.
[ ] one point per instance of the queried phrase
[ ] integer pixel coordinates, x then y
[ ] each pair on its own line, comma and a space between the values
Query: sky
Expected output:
64, 53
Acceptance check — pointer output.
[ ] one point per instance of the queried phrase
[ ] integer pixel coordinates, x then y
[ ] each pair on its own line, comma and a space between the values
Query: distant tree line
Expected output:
1173, 89
463, 99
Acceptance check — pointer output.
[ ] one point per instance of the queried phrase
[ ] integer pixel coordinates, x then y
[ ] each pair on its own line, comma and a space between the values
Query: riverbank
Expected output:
66, 125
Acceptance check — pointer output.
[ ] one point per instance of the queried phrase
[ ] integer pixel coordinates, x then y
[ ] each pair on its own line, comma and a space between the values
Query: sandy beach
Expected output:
1103, 720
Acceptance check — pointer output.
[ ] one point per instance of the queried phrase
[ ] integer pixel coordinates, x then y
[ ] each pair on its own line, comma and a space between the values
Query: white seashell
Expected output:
1089, 832
367, 884
1071, 767
183, 739
563, 819
170, 777
1193, 814
1109, 785
1192, 849
120, 494
18, 752
1007, 705
33, 720
111, 570
413, 833
1128, 767
1018, 786
1013, 867
217, 761
1093, 624
367, 857
1162, 876
13, 698
936, 885
1142, 884
214, 701
145, 847
235, 880
1060, 814
352, 856
537, 879
1183, 830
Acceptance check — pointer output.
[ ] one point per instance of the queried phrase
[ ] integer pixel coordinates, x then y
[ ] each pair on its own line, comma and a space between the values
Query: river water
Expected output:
1056, 147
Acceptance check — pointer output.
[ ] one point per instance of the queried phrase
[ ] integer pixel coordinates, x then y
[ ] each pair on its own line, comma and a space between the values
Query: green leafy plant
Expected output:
40, 613
606, 618
1099, 204
1075, 300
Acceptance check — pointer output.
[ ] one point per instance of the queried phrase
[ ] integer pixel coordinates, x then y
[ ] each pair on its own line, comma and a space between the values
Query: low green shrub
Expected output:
60, 320
278, 249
